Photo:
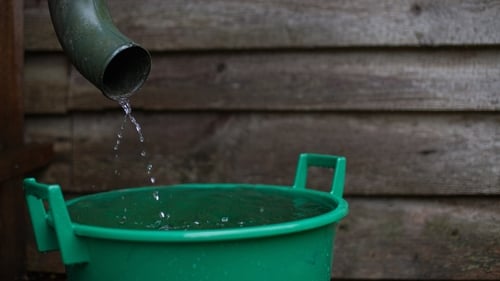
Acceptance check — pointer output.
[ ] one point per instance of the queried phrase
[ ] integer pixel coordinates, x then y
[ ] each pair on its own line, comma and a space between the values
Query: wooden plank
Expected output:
420, 239
18, 161
396, 80
46, 81
57, 131
388, 153
229, 24
412, 239
38, 27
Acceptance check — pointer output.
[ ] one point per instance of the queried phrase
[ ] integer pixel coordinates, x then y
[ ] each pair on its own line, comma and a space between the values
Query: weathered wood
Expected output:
402, 80
57, 131
16, 162
12, 229
228, 24
396, 154
46, 81
11, 46
415, 239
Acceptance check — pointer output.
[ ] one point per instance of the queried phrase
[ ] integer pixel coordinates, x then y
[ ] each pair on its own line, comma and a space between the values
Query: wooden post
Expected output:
16, 158
12, 230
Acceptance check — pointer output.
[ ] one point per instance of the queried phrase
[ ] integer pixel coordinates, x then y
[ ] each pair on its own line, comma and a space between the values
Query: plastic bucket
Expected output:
211, 232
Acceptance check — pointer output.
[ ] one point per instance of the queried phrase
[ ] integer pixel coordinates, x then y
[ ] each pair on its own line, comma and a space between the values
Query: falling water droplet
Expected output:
156, 195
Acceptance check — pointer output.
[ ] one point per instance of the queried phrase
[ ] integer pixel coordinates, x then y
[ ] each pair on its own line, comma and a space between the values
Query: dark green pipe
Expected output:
103, 55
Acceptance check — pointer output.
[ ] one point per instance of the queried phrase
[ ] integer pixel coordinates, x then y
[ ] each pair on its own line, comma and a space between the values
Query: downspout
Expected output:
109, 60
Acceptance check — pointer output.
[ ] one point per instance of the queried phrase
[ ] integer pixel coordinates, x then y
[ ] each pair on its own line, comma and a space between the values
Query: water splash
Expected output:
156, 195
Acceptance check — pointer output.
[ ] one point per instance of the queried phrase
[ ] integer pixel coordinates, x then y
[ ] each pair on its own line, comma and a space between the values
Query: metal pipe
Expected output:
107, 58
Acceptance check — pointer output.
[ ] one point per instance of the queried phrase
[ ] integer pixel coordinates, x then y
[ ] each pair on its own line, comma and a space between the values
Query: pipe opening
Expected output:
126, 72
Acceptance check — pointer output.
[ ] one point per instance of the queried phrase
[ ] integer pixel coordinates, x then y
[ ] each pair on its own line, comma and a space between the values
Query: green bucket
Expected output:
213, 232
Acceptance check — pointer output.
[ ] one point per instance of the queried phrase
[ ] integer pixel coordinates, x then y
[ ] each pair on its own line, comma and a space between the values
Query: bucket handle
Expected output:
337, 163
61, 236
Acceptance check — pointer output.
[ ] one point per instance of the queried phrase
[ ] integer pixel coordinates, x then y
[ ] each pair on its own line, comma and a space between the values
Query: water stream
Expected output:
125, 104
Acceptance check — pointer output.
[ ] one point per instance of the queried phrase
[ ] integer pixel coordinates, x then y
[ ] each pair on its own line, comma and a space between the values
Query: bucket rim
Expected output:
205, 235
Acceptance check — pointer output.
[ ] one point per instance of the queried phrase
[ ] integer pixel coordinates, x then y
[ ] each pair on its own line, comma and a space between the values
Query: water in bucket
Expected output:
194, 208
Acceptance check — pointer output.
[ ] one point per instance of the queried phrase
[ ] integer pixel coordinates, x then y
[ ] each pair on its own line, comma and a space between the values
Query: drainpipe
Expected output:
109, 60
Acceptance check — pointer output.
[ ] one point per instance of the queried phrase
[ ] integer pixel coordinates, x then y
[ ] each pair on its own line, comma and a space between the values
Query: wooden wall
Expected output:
407, 90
